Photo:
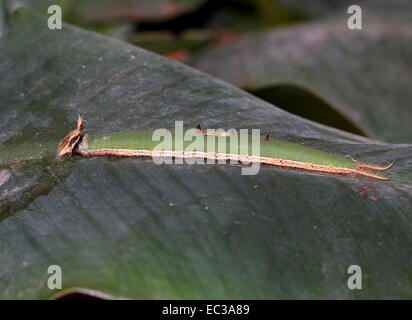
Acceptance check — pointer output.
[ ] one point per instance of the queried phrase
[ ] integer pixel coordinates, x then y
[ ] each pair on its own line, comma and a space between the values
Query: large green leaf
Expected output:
134, 229
364, 74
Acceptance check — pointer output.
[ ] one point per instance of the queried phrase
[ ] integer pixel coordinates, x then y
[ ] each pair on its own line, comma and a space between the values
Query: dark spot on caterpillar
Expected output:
266, 138
198, 127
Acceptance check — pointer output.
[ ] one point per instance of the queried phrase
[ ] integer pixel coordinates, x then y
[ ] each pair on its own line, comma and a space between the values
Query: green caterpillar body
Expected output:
271, 148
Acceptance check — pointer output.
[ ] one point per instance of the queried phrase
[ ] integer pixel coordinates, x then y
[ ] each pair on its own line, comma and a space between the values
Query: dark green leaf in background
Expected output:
105, 10
365, 75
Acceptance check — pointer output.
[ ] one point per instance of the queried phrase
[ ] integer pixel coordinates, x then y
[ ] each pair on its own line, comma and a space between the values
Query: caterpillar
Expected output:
273, 152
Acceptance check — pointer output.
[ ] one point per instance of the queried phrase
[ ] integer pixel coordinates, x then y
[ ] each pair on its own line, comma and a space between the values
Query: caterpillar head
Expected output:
70, 142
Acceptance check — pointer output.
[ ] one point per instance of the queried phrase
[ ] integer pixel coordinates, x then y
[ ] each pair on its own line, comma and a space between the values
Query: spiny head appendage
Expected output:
71, 140
80, 121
